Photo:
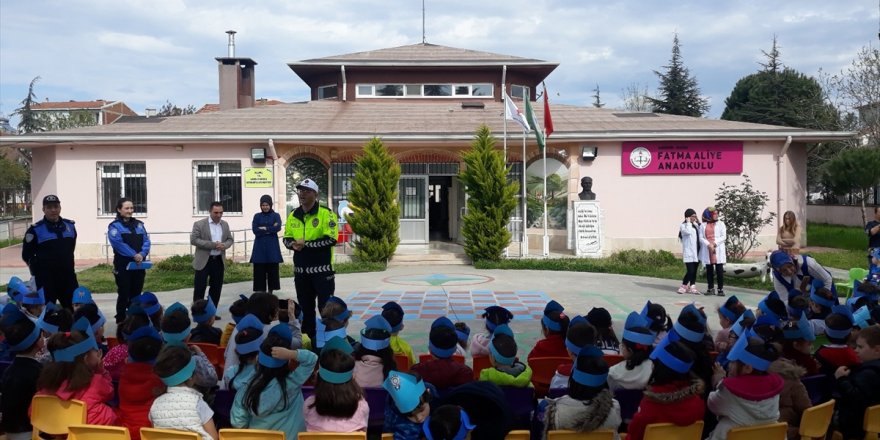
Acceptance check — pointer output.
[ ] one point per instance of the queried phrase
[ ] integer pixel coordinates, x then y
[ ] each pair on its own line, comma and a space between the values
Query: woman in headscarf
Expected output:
266, 254
713, 253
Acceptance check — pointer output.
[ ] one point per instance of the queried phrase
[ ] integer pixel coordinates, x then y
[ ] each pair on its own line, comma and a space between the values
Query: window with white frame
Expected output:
425, 90
122, 179
217, 181
520, 92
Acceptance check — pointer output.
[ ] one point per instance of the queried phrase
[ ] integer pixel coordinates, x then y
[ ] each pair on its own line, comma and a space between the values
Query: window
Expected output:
520, 92
328, 92
425, 90
389, 90
219, 181
122, 179
413, 90
462, 90
482, 90
438, 90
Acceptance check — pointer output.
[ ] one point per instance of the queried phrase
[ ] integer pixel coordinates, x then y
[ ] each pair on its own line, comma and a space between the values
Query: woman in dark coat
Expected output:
266, 254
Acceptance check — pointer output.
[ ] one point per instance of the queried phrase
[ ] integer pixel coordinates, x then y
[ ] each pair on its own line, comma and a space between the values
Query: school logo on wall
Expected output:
640, 158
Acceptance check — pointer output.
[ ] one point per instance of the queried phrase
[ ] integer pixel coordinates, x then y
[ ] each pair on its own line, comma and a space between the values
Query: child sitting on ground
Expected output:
181, 407
506, 369
77, 373
407, 406
248, 337
580, 333
338, 404
204, 313
464, 333
836, 353
635, 371
554, 326
728, 313
858, 386
606, 339
138, 384
176, 331
749, 395
494, 316
238, 310
393, 313
441, 371
374, 358
19, 382
272, 399
589, 404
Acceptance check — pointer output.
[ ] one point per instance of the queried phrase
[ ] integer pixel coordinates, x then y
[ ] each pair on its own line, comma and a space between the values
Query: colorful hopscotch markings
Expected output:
459, 304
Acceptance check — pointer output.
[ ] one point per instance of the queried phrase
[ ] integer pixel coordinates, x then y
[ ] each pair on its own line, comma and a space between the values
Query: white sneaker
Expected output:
693, 289
683, 289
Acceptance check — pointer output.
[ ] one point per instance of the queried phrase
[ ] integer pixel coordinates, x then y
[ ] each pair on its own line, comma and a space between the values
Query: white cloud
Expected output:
140, 43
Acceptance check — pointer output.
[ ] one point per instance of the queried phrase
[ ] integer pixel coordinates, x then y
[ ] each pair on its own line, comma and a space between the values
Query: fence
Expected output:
15, 202
14, 227
839, 214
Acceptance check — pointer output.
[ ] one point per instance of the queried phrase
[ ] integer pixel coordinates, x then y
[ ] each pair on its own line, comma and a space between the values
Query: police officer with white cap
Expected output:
48, 251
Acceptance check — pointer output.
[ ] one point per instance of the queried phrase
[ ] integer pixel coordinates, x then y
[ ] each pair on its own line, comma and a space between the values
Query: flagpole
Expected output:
548, 129
503, 98
525, 196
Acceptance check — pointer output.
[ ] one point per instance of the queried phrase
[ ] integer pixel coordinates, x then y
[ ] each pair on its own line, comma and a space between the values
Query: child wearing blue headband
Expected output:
138, 383
176, 331
273, 398
407, 406
76, 372
248, 337
589, 404
837, 353
506, 369
338, 404
580, 333
749, 395
494, 316
33, 304
204, 314
373, 357
449, 422
393, 313
181, 407
464, 335
264, 306
635, 371
798, 339
19, 383
442, 371
728, 313
554, 326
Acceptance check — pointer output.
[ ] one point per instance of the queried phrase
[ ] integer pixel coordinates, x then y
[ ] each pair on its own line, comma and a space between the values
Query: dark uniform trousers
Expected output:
129, 284
309, 287
214, 270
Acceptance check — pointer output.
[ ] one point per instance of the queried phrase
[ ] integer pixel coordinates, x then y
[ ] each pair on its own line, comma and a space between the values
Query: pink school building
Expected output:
425, 102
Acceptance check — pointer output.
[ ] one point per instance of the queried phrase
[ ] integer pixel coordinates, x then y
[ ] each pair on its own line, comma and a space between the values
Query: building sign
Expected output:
258, 178
685, 157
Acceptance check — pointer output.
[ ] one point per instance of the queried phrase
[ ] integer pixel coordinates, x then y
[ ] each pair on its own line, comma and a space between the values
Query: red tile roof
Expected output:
70, 105
209, 108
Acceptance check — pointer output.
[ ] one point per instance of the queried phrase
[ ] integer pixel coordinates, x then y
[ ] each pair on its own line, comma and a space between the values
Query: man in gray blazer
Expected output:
211, 237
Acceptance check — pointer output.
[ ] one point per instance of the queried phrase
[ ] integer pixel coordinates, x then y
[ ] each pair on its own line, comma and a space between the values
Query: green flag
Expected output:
533, 121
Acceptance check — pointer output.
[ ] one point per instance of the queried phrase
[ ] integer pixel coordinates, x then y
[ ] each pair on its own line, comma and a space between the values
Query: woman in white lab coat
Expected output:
689, 234
713, 253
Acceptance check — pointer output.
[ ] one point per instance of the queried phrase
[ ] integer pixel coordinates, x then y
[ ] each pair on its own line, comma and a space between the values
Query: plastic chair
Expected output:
54, 416
613, 359
872, 422
815, 421
543, 369
771, 431
168, 434
251, 434
600, 434
212, 352
855, 274
97, 432
424, 357
480, 364
518, 434
333, 436
403, 364
818, 387
671, 431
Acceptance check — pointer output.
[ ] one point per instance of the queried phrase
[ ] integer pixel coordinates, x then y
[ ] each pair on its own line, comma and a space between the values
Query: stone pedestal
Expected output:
587, 223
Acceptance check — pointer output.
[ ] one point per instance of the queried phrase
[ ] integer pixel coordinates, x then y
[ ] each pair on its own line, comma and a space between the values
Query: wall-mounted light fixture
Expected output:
258, 155
589, 153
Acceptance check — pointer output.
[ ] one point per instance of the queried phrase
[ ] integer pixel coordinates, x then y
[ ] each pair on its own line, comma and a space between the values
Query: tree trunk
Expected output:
864, 214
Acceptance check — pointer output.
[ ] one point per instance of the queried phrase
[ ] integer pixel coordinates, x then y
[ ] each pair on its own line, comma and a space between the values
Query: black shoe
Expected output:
720, 292
709, 292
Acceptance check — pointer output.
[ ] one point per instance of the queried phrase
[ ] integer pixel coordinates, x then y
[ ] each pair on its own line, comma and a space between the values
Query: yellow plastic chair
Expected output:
168, 434
517, 434
333, 436
771, 431
54, 416
251, 434
816, 420
97, 432
601, 434
388, 436
671, 431
872, 422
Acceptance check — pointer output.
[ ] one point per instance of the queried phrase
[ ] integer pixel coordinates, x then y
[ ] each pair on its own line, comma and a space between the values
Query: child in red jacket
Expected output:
836, 354
674, 393
580, 334
554, 325
139, 385
442, 371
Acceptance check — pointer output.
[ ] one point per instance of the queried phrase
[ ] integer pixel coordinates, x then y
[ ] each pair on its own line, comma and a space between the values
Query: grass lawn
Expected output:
851, 238
9, 242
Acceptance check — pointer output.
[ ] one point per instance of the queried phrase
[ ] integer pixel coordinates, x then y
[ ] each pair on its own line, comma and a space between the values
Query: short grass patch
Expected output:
9, 242
836, 236
842, 259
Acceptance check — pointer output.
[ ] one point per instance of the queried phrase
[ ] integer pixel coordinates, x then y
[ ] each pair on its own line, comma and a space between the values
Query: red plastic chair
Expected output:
213, 353
480, 363
543, 369
612, 359
402, 361
427, 357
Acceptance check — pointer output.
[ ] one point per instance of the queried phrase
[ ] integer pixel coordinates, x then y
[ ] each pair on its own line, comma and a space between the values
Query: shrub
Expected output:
373, 198
175, 263
641, 258
741, 209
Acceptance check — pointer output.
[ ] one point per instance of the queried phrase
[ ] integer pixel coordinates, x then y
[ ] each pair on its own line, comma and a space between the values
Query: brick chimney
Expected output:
236, 79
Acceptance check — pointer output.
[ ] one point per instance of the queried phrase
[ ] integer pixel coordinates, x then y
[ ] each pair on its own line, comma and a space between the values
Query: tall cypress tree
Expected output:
679, 93
373, 198
491, 199
30, 121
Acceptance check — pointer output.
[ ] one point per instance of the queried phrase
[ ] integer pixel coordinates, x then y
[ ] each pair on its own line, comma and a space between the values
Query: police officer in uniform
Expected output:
48, 251
131, 244
311, 232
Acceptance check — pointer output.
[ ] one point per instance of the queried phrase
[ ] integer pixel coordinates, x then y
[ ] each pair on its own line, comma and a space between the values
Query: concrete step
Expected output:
433, 258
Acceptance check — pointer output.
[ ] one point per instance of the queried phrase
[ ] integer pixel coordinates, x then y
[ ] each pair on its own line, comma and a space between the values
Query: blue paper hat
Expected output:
345, 314
740, 353
405, 390
337, 343
37, 298
552, 306
634, 321
322, 335
858, 292
283, 331
376, 322
69, 354
145, 331
661, 354
442, 322
176, 338
819, 299
149, 303
861, 317
181, 375
210, 312
41, 321
16, 288
686, 333
737, 327
499, 312
779, 259
766, 310
82, 295
391, 305
251, 323
13, 283
644, 313
463, 429
802, 330
584, 377
725, 309
840, 333
12, 315
464, 333
439, 352
502, 329
692, 309
571, 346
236, 318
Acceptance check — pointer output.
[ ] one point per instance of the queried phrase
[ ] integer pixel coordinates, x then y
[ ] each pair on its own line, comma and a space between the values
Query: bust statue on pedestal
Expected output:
587, 185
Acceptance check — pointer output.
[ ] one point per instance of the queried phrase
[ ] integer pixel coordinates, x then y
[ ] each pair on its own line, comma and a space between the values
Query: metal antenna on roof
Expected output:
423, 22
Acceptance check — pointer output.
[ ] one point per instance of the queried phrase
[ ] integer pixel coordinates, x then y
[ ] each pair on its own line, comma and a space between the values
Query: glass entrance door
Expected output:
413, 197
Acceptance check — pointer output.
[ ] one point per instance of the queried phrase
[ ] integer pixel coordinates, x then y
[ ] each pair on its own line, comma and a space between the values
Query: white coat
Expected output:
720, 239
689, 237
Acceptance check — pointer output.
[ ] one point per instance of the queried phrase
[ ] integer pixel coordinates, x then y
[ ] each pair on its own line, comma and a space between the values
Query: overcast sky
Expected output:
147, 52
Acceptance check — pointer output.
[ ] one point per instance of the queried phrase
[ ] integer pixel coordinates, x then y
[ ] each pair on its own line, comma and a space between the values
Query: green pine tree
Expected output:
679, 93
373, 198
30, 122
491, 199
